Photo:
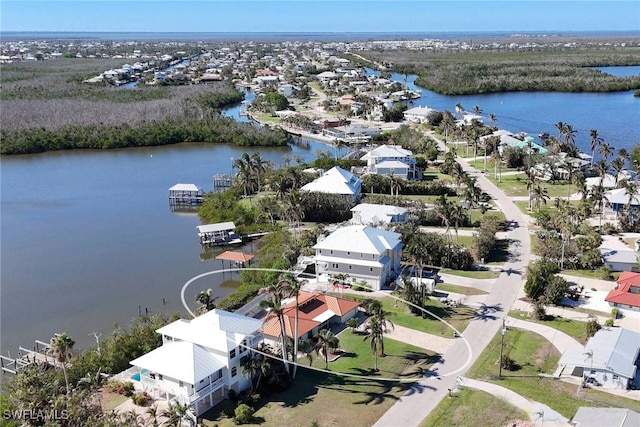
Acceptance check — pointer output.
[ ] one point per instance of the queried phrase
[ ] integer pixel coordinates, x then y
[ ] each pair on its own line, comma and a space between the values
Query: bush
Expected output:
243, 414
141, 399
592, 327
615, 313
608, 323
604, 273
509, 364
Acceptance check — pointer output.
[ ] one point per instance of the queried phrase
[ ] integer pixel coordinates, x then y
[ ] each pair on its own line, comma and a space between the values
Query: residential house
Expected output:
336, 181
365, 253
418, 114
612, 417
371, 214
315, 311
618, 199
610, 358
392, 159
199, 360
351, 133
621, 260
626, 295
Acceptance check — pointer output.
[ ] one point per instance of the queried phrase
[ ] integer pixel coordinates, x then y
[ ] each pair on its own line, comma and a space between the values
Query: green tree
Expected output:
325, 340
538, 275
206, 301
61, 347
375, 334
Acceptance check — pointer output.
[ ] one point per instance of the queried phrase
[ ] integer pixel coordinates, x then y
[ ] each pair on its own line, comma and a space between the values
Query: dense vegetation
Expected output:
46, 106
464, 73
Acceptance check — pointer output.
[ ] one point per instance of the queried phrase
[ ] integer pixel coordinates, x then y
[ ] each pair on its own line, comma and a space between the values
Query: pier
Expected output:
221, 182
185, 194
39, 355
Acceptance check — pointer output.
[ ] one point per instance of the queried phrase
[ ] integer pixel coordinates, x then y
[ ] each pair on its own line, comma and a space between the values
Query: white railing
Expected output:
206, 390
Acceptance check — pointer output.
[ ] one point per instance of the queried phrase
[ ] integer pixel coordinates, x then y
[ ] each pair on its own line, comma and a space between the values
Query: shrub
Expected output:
509, 364
608, 323
592, 327
604, 273
141, 399
243, 414
614, 313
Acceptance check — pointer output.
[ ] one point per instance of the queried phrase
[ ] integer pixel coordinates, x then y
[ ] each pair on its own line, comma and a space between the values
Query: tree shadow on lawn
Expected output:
500, 251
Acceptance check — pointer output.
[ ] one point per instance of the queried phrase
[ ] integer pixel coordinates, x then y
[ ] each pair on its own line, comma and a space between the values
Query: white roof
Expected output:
212, 228
323, 317
184, 187
614, 350
392, 164
215, 329
418, 111
180, 360
615, 256
335, 181
387, 151
370, 213
609, 181
620, 196
360, 238
598, 417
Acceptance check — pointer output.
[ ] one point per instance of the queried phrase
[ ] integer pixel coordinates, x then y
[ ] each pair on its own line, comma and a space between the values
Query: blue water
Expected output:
616, 115
626, 71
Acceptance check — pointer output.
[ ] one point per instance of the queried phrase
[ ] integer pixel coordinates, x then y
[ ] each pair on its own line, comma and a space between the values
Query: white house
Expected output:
609, 358
199, 360
598, 417
418, 114
364, 253
336, 181
391, 159
369, 214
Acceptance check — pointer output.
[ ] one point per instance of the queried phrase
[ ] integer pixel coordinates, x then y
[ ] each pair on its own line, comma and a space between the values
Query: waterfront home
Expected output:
372, 214
608, 181
418, 114
609, 358
626, 294
366, 254
199, 360
351, 133
315, 311
392, 159
336, 181
618, 199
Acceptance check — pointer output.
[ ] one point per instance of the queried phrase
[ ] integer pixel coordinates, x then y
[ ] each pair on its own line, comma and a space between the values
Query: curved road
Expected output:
424, 395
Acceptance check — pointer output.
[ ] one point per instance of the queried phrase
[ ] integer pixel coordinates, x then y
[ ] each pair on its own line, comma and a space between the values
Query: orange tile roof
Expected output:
622, 294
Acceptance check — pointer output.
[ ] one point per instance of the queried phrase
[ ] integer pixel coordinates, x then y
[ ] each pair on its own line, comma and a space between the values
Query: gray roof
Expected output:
612, 417
626, 257
614, 350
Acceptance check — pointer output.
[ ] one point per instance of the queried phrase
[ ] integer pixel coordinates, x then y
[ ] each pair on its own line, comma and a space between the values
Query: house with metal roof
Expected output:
610, 358
370, 214
366, 254
336, 181
392, 159
626, 295
199, 359
620, 260
612, 417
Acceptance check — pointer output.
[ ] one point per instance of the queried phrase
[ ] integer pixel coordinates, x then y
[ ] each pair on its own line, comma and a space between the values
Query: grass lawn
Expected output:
459, 317
110, 400
464, 290
472, 274
479, 165
573, 328
536, 355
473, 407
593, 274
331, 399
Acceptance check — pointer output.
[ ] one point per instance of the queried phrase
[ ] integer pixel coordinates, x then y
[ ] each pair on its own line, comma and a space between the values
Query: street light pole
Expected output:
502, 333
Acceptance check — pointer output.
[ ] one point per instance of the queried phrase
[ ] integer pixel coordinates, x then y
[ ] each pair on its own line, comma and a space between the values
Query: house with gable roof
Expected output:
626, 295
368, 214
366, 254
610, 358
336, 181
392, 159
199, 359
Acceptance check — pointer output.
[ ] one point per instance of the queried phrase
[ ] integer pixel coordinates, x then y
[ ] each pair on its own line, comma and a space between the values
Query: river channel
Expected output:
88, 238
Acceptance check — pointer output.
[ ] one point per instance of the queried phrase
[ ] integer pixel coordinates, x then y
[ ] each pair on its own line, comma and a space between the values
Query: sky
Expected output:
320, 16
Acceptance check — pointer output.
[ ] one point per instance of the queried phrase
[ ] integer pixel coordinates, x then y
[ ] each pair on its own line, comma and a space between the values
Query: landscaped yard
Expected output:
516, 185
472, 274
479, 165
459, 317
536, 355
464, 290
332, 399
473, 407
592, 274
573, 328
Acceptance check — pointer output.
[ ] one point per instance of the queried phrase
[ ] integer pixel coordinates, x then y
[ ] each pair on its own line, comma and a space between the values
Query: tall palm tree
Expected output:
531, 181
294, 290
276, 308
61, 347
472, 194
569, 134
375, 333
631, 189
617, 165
601, 168
606, 150
394, 184
477, 110
174, 414
447, 124
459, 109
325, 340
258, 164
560, 127
595, 143
599, 198
255, 366
206, 300
496, 155
539, 196
492, 118
571, 172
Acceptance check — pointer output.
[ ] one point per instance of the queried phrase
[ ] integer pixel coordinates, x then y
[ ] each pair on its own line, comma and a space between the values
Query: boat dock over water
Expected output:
220, 234
185, 194
39, 355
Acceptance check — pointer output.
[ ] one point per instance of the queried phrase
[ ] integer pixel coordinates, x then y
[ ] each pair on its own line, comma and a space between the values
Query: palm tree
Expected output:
560, 127
492, 118
294, 211
61, 347
539, 196
617, 165
459, 109
255, 365
294, 290
599, 197
477, 110
258, 164
374, 333
207, 302
276, 308
606, 150
631, 189
569, 134
497, 158
595, 143
152, 411
394, 184
447, 124
601, 167
472, 194
325, 340
531, 181
174, 414
571, 172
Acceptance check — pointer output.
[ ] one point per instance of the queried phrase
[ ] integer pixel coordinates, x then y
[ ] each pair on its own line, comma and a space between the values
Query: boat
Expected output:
219, 234
543, 135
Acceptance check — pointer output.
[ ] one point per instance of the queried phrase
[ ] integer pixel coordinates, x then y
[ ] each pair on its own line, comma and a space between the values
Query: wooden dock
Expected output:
39, 355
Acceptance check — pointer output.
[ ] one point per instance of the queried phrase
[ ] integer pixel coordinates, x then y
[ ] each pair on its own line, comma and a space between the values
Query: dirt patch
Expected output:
542, 354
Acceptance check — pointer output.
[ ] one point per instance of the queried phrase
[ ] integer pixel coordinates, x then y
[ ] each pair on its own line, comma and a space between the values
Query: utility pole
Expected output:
502, 333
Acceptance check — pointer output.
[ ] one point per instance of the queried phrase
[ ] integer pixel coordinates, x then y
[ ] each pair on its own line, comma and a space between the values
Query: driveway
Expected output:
413, 407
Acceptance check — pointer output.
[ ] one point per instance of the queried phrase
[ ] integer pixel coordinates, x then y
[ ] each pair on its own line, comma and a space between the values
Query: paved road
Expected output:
424, 395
